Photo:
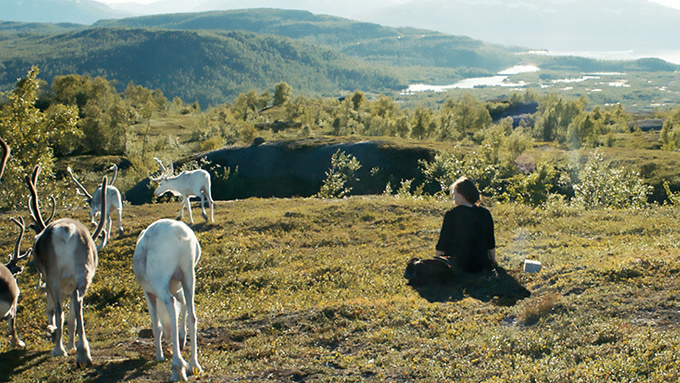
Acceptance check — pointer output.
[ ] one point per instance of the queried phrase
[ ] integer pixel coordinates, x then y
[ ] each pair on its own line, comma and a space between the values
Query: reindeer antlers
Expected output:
164, 172
81, 189
113, 168
102, 218
17, 246
33, 208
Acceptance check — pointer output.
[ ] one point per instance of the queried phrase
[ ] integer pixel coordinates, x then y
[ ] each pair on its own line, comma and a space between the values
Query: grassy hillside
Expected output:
312, 290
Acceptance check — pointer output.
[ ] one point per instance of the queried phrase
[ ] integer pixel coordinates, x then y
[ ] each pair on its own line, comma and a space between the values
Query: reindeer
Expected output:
5, 156
65, 254
9, 289
190, 183
164, 260
95, 200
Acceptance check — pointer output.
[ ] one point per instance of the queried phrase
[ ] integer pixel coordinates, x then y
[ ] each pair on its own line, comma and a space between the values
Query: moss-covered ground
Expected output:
312, 290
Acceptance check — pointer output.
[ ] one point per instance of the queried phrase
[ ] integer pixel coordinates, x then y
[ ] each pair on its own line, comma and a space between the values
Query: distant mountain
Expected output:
210, 67
58, 11
369, 41
345, 8
640, 26
14, 27
212, 57
558, 25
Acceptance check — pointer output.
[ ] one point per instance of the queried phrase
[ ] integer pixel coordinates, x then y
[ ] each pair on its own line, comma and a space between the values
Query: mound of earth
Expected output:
297, 168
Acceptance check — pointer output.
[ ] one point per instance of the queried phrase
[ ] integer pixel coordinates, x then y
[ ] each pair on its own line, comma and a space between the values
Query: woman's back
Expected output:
466, 236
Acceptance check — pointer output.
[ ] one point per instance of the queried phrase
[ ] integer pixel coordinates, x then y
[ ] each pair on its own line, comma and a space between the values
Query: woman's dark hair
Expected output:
467, 189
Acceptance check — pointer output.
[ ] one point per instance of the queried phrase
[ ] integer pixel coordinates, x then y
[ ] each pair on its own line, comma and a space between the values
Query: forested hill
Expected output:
212, 57
373, 42
13, 28
207, 66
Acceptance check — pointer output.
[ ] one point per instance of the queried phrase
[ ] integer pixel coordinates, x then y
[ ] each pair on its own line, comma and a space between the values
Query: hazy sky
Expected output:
670, 3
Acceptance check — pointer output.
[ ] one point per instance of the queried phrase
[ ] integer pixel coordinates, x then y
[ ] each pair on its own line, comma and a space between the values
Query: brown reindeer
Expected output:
65, 254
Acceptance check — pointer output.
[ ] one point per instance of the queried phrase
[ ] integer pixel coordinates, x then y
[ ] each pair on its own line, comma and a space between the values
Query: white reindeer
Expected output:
65, 254
9, 289
190, 183
115, 202
164, 260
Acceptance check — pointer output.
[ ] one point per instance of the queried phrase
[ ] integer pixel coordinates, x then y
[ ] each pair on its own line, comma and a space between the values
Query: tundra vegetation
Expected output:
312, 289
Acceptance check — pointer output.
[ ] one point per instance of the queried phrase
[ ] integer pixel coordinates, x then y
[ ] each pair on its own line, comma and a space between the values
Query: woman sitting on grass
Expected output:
467, 239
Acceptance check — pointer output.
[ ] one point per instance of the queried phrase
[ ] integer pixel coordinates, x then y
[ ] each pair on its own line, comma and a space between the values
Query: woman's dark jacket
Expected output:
466, 237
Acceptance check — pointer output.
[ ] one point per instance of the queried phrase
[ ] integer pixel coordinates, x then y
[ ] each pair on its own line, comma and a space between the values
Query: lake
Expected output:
500, 79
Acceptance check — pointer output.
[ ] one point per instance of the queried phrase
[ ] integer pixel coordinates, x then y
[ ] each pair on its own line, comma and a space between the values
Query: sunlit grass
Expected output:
313, 290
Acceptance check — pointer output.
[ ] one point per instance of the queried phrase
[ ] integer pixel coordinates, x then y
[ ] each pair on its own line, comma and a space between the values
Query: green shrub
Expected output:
212, 143
533, 188
601, 185
340, 176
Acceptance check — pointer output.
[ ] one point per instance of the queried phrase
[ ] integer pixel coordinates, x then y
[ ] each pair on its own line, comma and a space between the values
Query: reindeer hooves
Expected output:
59, 351
194, 370
52, 332
18, 343
179, 373
84, 363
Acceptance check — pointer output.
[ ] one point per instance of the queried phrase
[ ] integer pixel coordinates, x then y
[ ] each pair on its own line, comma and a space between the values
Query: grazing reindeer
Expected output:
164, 260
190, 183
66, 256
9, 289
115, 202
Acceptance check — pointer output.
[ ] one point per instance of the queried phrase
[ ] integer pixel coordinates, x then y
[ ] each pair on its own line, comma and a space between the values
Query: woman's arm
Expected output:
492, 257
445, 235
